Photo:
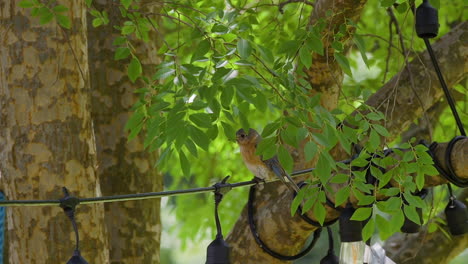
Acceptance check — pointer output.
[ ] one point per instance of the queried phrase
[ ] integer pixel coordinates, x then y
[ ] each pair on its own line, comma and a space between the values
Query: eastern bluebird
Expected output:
262, 169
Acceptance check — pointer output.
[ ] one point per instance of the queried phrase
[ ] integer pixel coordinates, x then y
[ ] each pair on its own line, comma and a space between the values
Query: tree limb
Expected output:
286, 234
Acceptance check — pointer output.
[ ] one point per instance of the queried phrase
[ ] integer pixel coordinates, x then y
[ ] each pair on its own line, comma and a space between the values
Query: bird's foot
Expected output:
259, 182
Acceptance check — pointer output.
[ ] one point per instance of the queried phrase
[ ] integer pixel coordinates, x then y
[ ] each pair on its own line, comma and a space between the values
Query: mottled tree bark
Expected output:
124, 167
325, 75
427, 248
46, 137
286, 234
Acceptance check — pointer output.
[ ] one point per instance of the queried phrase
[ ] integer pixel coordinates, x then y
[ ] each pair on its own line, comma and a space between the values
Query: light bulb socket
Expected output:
350, 230
330, 258
77, 258
427, 20
217, 251
457, 217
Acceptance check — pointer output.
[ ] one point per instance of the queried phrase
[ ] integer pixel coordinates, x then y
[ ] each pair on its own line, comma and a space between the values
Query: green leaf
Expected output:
381, 130
297, 201
344, 63
127, 29
383, 226
191, 147
126, 3
402, 7
285, 159
26, 4
199, 137
163, 73
45, 16
410, 212
342, 195
305, 56
244, 48
264, 145
420, 179
310, 149
387, 3
362, 213
266, 54
315, 44
374, 141
202, 48
226, 96
302, 133
134, 69
360, 44
201, 119
319, 212
60, 9
97, 22
368, 230
88, 3
184, 164
398, 219
323, 169
270, 128
121, 53
339, 178
63, 21
375, 116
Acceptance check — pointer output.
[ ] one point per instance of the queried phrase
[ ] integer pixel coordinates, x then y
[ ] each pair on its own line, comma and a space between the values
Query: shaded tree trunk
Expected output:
124, 167
46, 137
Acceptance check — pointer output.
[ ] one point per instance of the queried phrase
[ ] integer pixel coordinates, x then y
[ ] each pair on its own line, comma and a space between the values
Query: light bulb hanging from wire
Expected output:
68, 204
352, 247
218, 250
330, 258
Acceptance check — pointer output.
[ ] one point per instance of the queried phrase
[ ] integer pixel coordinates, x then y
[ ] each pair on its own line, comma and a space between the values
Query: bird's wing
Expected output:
278, 170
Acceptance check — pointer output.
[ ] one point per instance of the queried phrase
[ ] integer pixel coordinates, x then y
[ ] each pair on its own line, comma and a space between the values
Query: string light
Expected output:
68, 204
352, 246
218, 250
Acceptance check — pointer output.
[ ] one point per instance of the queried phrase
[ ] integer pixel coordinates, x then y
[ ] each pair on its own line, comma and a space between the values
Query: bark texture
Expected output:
427, 248
46, 138
325, 75
286, 234
124, 167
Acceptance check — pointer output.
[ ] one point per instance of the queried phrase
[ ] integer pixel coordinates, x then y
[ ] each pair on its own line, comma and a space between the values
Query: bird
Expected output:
262, 169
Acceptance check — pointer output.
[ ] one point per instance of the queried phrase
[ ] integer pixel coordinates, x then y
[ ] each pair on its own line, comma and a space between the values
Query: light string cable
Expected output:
148, 195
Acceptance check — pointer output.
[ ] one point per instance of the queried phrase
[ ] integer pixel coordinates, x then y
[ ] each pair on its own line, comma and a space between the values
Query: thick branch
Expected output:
287, 234
397, 100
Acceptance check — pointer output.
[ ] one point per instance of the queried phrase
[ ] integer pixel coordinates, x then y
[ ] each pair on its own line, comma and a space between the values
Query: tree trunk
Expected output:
286, 234
46, 137
124, 167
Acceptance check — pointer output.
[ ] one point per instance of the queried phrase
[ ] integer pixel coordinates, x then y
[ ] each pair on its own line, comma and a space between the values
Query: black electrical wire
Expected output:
444, 87
148, 195
262, 244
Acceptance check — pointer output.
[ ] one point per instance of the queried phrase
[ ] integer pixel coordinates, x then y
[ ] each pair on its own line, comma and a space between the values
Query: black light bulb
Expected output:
217, 252
457, 217
427, 20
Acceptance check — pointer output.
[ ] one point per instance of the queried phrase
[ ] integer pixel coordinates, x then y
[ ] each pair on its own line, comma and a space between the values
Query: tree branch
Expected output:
286, 234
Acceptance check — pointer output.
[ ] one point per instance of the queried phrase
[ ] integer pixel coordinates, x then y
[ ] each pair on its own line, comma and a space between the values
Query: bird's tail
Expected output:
291, 184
